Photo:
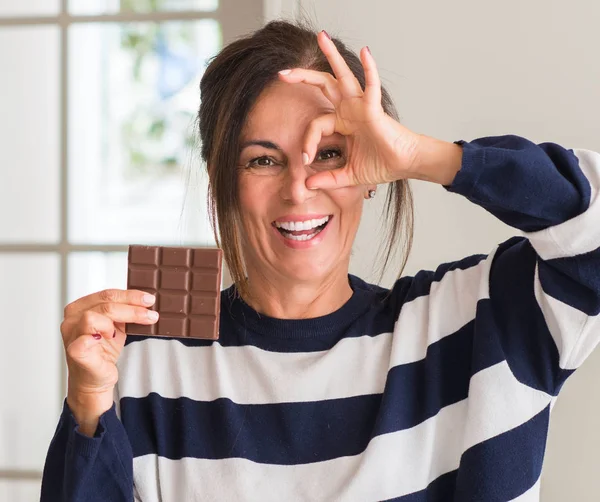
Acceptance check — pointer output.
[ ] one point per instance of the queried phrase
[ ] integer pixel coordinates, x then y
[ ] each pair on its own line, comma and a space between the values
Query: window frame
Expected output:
235, 18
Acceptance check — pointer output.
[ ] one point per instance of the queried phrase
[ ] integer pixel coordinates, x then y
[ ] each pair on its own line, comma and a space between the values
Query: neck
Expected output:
288, 299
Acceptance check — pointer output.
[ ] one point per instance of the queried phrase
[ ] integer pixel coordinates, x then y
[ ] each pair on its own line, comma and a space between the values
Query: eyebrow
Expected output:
268, 144
261, 142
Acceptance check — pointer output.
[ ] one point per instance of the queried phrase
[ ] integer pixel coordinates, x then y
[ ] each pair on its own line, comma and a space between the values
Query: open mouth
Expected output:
302, 230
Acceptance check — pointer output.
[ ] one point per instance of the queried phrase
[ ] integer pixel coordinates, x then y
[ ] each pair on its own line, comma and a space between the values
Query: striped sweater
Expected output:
439, 389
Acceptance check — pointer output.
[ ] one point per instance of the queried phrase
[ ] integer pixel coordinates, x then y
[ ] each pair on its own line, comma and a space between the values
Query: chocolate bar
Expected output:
187, 285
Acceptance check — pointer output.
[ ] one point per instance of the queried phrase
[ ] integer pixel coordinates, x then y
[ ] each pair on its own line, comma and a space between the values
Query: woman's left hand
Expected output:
379, 148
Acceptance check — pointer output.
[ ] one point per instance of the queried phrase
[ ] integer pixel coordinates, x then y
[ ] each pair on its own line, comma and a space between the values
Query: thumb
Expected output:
330, 180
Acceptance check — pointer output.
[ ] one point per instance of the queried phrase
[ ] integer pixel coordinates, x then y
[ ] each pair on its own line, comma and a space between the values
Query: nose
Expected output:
293, 189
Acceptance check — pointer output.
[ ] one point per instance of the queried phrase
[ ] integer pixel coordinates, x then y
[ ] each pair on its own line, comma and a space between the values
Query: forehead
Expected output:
285, 107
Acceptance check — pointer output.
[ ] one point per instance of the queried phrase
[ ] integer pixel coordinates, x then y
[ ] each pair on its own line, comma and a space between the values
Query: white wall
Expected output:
466, 69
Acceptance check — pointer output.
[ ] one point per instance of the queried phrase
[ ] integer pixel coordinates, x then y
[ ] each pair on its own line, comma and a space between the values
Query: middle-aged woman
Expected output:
321, 386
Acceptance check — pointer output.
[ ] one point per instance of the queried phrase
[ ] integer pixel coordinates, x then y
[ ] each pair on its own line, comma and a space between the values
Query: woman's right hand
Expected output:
93, 332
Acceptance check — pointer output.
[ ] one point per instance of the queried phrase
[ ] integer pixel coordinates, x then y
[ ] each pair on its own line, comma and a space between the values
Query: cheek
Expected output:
254, 203
350, 203
256, 188
249, 196
349, 199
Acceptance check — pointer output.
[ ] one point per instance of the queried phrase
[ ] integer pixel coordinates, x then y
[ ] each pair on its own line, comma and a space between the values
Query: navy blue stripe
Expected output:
527, 186
439, 490
285, 434
514, 318
574, 281
417, 391
377, 313
504, 466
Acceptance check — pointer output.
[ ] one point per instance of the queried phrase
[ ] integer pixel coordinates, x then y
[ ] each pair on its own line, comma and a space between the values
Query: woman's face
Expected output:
290, 232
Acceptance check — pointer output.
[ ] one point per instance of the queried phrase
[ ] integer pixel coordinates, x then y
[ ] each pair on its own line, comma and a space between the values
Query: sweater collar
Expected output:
334, 322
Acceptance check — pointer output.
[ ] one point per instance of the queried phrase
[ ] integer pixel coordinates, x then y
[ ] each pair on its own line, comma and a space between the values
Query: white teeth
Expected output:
301, 225
304, 237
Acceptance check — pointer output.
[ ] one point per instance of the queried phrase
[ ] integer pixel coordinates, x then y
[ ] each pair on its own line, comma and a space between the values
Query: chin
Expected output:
306, 273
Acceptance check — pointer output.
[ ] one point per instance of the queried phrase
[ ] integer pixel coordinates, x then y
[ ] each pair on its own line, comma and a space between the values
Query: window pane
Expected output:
91, 272
30, 358
133, 96
29, 8
114, 6
29, 135
20, 491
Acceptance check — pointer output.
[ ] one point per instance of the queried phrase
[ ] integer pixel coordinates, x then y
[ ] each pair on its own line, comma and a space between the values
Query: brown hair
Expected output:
229, 87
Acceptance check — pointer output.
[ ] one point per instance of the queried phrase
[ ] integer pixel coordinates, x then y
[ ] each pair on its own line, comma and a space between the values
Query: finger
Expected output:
324, 125
372, 82
330, 180
94, 329
128, 296
323, 80
119, 335
92, 325
122, 313
349, 85
80, 346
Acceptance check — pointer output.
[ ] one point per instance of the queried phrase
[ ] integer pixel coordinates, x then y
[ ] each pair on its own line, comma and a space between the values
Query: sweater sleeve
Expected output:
543, 286
86, 469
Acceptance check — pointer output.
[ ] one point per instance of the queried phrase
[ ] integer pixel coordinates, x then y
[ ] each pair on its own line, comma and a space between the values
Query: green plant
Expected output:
144, 131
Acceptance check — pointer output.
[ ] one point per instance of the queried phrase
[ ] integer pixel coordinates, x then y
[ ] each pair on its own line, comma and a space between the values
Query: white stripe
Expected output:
393, 464
578, 235
249, 375
575, 333
117, 401
451, 303
499, 403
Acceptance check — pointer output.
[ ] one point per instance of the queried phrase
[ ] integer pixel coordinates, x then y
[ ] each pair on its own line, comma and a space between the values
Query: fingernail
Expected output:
148, 299
97, 336
153, 315
327, 34
369, 50
285, 72
305, 158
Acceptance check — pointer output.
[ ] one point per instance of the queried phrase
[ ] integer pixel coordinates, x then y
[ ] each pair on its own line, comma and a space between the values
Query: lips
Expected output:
301, 241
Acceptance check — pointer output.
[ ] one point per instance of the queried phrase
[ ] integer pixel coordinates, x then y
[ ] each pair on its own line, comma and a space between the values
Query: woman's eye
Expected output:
328, 154
323, 156
261, 162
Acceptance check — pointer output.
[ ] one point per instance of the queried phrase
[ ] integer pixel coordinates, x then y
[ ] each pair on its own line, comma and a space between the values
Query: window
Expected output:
97, 105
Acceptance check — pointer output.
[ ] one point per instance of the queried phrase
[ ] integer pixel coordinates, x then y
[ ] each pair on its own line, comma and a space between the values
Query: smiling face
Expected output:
272, 192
